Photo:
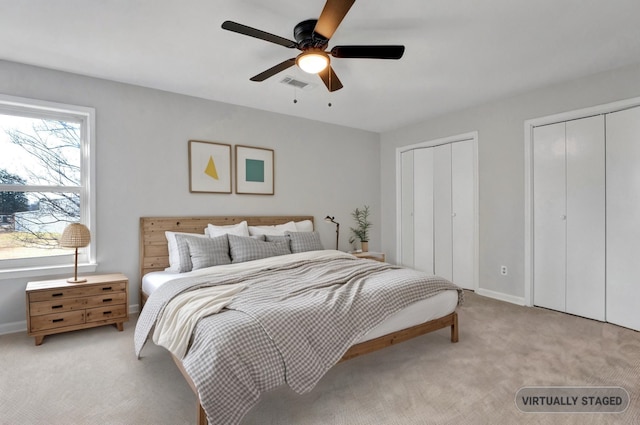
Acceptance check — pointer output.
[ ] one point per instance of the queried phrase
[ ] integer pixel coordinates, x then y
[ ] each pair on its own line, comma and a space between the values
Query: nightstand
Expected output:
55, 306
378, 256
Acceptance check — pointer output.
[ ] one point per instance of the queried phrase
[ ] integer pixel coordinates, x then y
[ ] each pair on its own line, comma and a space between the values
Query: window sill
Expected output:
46, 271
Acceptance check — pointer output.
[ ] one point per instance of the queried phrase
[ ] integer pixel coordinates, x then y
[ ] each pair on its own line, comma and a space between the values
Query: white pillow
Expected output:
304, 226
175, 260
278, 229
239, 229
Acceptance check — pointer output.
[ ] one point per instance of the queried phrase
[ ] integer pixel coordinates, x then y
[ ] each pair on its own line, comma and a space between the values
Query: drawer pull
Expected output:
106, 288
106, 312
57, 320
59, 294
56, 306
107, 300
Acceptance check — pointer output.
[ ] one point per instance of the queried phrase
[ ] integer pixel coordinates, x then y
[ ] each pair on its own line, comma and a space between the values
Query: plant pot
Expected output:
365, 246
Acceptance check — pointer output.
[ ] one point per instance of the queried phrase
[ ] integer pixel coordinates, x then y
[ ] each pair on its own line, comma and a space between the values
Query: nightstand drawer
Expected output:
58, 320
79, 291
104, 313
107, 300
57, 306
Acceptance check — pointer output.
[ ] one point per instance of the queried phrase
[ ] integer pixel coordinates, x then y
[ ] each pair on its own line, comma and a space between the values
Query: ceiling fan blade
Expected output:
330, 79
262, 35
333, 13
274, 70
368, 52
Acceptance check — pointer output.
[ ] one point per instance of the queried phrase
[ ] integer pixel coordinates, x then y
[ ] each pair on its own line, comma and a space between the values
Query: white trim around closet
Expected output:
529, 125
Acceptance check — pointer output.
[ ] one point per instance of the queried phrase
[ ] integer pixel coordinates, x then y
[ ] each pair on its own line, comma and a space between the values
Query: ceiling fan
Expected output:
312, 38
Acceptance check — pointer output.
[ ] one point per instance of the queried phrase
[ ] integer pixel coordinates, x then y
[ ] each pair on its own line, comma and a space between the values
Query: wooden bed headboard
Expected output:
154, 254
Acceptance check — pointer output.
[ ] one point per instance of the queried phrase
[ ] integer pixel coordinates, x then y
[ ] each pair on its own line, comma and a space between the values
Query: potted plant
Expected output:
361, 232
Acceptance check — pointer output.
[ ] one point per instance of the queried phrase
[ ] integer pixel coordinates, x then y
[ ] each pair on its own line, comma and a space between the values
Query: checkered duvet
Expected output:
296, 318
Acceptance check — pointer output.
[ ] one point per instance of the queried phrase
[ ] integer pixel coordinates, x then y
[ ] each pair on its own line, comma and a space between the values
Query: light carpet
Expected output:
93, 377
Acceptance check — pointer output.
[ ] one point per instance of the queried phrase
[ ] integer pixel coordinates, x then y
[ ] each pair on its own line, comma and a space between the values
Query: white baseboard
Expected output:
15, 327
500, 296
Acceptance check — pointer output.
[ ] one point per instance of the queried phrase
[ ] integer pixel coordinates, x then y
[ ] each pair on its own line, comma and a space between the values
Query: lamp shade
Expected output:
75, 235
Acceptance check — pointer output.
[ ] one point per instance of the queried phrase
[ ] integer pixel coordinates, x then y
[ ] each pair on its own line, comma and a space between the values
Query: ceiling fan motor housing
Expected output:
306, 38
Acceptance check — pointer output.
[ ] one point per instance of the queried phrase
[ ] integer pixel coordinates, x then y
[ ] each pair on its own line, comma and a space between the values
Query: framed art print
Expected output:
209, 167
254, 170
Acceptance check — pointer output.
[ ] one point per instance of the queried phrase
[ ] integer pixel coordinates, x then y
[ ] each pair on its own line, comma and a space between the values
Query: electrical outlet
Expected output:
503, 270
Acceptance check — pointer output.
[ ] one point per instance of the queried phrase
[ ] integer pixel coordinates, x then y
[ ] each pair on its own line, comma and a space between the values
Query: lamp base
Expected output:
73, 280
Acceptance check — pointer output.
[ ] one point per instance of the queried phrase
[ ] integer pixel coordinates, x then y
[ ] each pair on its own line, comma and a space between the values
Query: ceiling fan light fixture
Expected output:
313, 61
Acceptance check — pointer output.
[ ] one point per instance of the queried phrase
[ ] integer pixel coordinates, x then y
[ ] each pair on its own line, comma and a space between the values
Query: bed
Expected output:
413, 319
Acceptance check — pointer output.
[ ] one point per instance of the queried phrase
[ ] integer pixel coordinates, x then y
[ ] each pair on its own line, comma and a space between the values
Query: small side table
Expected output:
370, 255
55, 306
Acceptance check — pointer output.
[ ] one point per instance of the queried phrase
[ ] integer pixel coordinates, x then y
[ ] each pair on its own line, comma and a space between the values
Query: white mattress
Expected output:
154, 280
420, 312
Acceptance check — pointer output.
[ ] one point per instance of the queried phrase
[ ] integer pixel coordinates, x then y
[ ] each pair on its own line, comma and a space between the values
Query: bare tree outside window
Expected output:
40, 184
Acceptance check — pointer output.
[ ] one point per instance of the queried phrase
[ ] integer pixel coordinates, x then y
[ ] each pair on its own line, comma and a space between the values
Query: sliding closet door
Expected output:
406, 209
623, 218
585, 181
463, 219
423, 210
549, 205
442, 231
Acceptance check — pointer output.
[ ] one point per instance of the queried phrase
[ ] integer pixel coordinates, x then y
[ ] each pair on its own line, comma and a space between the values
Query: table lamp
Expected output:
76, 236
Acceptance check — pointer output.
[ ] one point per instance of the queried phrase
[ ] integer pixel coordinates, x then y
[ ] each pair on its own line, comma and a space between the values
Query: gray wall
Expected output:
500, 125
142, 170
142, 167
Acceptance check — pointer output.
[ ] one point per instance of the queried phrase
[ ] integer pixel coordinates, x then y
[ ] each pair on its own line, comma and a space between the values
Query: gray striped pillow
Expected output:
181, 260
276, 238
304, 241
246, 249
208, 252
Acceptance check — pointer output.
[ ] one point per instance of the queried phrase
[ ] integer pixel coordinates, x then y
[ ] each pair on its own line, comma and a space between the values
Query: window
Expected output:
45, 182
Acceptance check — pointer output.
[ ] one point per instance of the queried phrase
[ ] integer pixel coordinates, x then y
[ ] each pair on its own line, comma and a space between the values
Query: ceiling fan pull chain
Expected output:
329, 104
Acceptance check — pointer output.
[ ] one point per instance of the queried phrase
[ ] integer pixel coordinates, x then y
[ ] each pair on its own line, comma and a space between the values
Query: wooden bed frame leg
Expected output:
454, 328
202, 416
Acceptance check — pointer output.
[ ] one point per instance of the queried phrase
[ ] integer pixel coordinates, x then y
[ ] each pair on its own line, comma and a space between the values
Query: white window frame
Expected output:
61, 264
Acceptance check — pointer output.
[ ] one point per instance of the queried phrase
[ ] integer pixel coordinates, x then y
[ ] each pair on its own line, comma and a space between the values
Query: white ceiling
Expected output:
459, 53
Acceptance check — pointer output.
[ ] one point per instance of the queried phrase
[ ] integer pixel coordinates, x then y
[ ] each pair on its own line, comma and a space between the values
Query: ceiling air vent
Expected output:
302, 85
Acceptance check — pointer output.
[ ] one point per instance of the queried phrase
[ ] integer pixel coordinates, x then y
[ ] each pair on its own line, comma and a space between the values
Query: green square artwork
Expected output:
254, 170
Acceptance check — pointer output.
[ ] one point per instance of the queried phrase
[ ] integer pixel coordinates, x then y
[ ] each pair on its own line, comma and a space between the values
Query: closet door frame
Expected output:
406, 221
473, 136
529, 125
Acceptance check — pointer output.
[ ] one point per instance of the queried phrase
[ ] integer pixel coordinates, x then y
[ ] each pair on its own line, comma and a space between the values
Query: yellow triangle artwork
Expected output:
211, 169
